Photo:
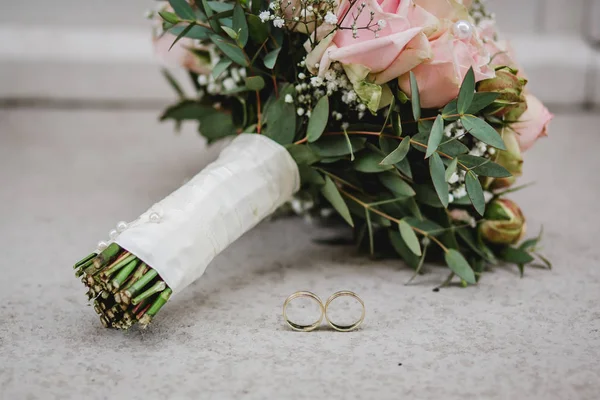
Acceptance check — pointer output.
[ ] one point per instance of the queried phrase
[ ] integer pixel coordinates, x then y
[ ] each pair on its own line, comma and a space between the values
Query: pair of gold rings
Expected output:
323, 308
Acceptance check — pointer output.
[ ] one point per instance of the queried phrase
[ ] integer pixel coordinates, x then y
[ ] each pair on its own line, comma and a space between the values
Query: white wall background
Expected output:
100, 50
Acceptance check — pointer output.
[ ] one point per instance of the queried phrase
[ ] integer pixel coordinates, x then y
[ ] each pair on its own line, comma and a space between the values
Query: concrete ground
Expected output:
68, 176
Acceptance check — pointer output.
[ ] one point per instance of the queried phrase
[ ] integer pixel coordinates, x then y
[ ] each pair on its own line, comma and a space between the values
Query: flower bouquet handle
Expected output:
407, 118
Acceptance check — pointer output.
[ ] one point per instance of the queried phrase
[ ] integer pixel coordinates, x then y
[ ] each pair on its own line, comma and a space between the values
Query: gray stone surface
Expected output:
67, 177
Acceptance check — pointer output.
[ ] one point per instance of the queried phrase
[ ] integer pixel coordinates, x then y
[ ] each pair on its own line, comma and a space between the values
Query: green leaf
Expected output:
425, 194
370, 231
467, 236
457, 263
369, 162
196, 32
398, 243
318, 120
219, 7
337, 146
409, 237
182, 34
169, 17
221, 66
173, 82
483, 166
271, 58
213, 22
230, 32
475, 192
450, 147
451, 169
516, 256
481, 101
183, 9
216, 125
240, 25
415, 99
186, 110
435, 137
438, 176
426, 225
399, 154
396, 123
396, 184
482, 131
259, 32
231, 50
281, 121
467, 91
332, 194
255, 83
303, 155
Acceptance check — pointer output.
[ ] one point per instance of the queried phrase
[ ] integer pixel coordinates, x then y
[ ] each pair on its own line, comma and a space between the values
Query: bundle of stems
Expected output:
124, 290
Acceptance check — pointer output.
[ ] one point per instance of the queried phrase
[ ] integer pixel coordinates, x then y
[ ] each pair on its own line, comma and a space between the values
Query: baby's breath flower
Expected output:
264, 16
278, 22
300, 111
331, 18
288, 98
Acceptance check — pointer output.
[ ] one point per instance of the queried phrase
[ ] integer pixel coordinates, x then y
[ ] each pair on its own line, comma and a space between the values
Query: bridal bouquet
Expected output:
407, 119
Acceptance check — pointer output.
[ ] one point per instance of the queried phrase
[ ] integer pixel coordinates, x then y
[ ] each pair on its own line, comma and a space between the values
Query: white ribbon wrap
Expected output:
180, 235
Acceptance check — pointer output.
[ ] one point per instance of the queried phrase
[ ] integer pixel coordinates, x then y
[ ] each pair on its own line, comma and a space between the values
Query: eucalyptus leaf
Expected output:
240, 26
218, 6
318, 119
230, 32
255, 83
399, 153
459, 265
466, 93
182, 34
196, 32
336, 146
409, 237
405, 253
230, 50
173, 82
425, 194
396, 184
332, 194
483, 166
475, 192
183, 9
451, 169
186, 110
426, 225
216, 125
271, 58
169, 17
281, 121
482, 131
303, 154
435, 137
450, 147
370, 162
259, 32
415, 98
516, 256
221, 66
438, 176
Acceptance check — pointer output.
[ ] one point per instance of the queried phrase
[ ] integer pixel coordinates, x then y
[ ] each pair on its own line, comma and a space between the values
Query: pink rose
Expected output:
533, 123
180, 54
398, 45
439, 79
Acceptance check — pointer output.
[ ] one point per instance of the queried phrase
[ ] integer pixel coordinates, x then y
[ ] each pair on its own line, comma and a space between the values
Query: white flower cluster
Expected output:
228, 80
311, 88
306, 12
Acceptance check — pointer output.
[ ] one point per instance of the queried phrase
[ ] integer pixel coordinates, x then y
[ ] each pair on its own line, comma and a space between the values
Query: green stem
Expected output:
84, 262
139, 285
106, 256
124, 273
118, 265
156, 306
156, 288
139, 272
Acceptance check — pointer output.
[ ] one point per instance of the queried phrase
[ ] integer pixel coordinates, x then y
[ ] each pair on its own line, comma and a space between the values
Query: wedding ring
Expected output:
298, 327
345, 328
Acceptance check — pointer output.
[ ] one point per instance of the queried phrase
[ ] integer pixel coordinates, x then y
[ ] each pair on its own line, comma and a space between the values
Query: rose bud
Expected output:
504, 222
511, 159
511, 103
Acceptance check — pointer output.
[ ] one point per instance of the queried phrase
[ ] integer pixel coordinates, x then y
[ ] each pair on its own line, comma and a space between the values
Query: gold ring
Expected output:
345, 328
298, 327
